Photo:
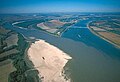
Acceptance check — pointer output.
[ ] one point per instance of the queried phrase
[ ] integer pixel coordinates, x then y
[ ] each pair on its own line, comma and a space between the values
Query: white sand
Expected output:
48, 60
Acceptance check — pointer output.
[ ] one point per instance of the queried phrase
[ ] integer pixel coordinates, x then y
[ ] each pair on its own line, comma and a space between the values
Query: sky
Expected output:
39, 6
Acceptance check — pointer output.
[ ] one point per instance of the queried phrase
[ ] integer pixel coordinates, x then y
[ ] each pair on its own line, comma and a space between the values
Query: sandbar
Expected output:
49, 61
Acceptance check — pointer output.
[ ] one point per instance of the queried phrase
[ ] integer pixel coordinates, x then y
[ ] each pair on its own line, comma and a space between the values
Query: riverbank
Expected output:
107, 36
49, 61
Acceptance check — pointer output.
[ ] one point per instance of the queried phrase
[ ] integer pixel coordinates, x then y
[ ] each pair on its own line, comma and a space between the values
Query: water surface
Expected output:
93, 59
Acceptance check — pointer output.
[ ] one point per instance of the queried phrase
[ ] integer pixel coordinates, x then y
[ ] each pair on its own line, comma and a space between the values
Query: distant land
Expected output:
60, 47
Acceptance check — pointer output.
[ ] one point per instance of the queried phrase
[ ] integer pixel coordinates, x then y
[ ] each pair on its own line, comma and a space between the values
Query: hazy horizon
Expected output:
46, 6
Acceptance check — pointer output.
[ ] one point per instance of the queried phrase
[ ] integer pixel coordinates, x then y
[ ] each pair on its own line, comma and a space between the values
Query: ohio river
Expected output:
93, 59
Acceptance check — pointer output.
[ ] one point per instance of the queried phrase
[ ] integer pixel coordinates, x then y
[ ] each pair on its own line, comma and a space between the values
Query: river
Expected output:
93, 59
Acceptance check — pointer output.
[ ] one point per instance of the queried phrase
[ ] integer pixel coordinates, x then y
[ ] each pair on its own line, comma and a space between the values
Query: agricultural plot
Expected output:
6, 67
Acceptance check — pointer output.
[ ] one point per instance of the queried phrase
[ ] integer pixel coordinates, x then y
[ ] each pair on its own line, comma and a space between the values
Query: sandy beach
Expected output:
49, 61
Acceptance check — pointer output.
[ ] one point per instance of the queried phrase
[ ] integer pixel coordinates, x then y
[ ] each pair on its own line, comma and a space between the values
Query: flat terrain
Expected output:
47, 28
48, 60
6, 67
8, 43
111, 36
52, 26
108, 30
13, 64
93, 59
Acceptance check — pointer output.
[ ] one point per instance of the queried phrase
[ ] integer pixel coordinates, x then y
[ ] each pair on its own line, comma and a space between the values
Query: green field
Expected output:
13, 60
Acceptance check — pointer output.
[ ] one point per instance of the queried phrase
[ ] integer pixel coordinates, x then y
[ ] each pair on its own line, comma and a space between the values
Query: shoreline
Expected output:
37, 29
94, 32
49, 61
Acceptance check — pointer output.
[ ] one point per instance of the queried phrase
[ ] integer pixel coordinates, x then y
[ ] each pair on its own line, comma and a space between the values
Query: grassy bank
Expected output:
22, 64
18, 68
